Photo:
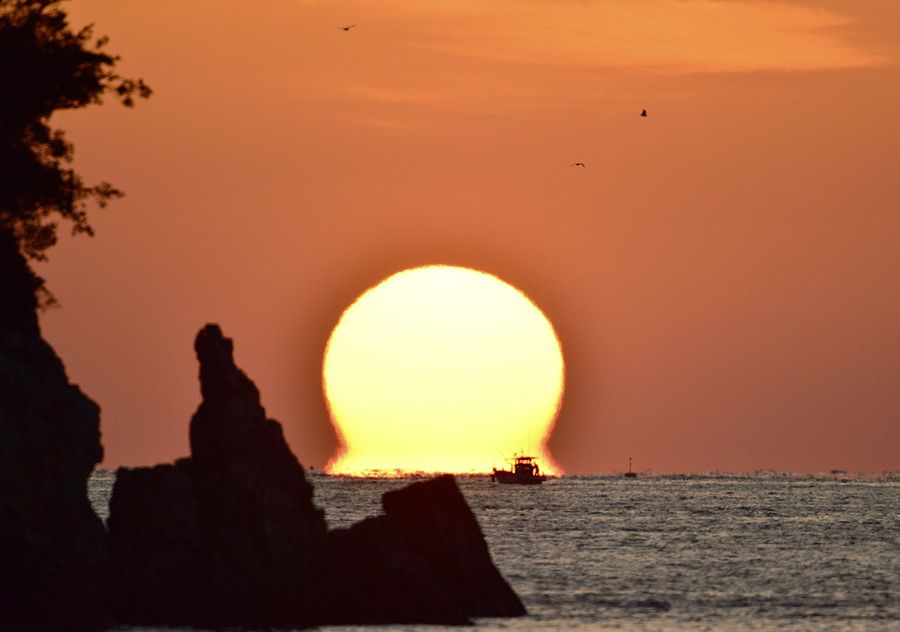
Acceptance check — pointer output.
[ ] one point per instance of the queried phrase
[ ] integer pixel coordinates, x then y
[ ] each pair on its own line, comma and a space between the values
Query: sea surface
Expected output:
765, 551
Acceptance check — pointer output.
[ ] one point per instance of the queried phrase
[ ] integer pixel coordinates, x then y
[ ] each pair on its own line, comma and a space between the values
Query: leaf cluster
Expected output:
45, 67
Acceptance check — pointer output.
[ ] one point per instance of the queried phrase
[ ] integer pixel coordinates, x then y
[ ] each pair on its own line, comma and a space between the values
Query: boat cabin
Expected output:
526, 466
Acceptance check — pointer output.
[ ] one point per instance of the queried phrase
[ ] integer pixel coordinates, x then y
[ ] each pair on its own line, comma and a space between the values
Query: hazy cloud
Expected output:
675, 35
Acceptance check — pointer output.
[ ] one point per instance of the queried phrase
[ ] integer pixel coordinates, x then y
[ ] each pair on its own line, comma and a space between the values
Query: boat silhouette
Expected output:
525, 471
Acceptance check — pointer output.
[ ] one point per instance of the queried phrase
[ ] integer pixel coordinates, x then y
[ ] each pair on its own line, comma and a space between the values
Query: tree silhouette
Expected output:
45, 66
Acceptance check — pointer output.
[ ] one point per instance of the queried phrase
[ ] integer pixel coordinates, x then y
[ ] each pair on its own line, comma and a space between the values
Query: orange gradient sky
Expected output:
723, 275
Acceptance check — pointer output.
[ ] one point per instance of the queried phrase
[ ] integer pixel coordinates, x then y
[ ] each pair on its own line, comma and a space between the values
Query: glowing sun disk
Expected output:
441, 369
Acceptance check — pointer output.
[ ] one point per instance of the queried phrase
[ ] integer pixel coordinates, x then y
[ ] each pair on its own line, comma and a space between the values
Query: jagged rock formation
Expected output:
230, 536
53, 548
226, 536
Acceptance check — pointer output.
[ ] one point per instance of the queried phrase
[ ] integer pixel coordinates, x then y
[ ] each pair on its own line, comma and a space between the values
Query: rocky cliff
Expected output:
230, 536
53, 549
226, 536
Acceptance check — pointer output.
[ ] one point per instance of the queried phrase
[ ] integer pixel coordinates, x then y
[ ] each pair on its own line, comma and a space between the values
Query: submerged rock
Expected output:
53, 548
230, 536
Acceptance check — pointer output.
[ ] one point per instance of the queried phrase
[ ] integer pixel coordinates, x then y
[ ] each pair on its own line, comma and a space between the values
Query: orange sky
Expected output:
723, 275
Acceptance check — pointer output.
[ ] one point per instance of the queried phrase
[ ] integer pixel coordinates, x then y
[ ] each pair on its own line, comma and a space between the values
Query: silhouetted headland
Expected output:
53, 553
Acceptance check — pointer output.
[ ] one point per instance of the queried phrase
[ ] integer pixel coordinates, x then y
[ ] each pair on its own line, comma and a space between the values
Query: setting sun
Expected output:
441, 369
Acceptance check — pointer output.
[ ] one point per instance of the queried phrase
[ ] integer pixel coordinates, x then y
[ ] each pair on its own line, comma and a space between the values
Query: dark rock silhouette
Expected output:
53, 548
226, 536
424, 561
230, 536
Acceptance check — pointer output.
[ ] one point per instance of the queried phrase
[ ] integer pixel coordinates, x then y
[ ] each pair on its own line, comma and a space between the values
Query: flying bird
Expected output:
346, 28
577, 164
643, 112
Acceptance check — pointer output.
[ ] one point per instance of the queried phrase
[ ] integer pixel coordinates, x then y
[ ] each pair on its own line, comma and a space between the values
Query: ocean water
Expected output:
718, 552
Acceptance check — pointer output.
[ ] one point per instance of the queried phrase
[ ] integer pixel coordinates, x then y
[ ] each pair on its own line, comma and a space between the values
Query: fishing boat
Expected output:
525, 471
629, 473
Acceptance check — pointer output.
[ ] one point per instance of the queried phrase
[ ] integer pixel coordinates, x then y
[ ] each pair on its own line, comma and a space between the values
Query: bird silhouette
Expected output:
577, 164
643, 112
346, 28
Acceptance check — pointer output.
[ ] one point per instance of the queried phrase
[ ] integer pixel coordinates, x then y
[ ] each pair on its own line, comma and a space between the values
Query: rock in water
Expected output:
435, 524
226, 536
424, 561
230, 536
53, 548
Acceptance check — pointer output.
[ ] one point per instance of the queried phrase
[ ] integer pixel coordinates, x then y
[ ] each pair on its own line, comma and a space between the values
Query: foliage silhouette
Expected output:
46, 66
